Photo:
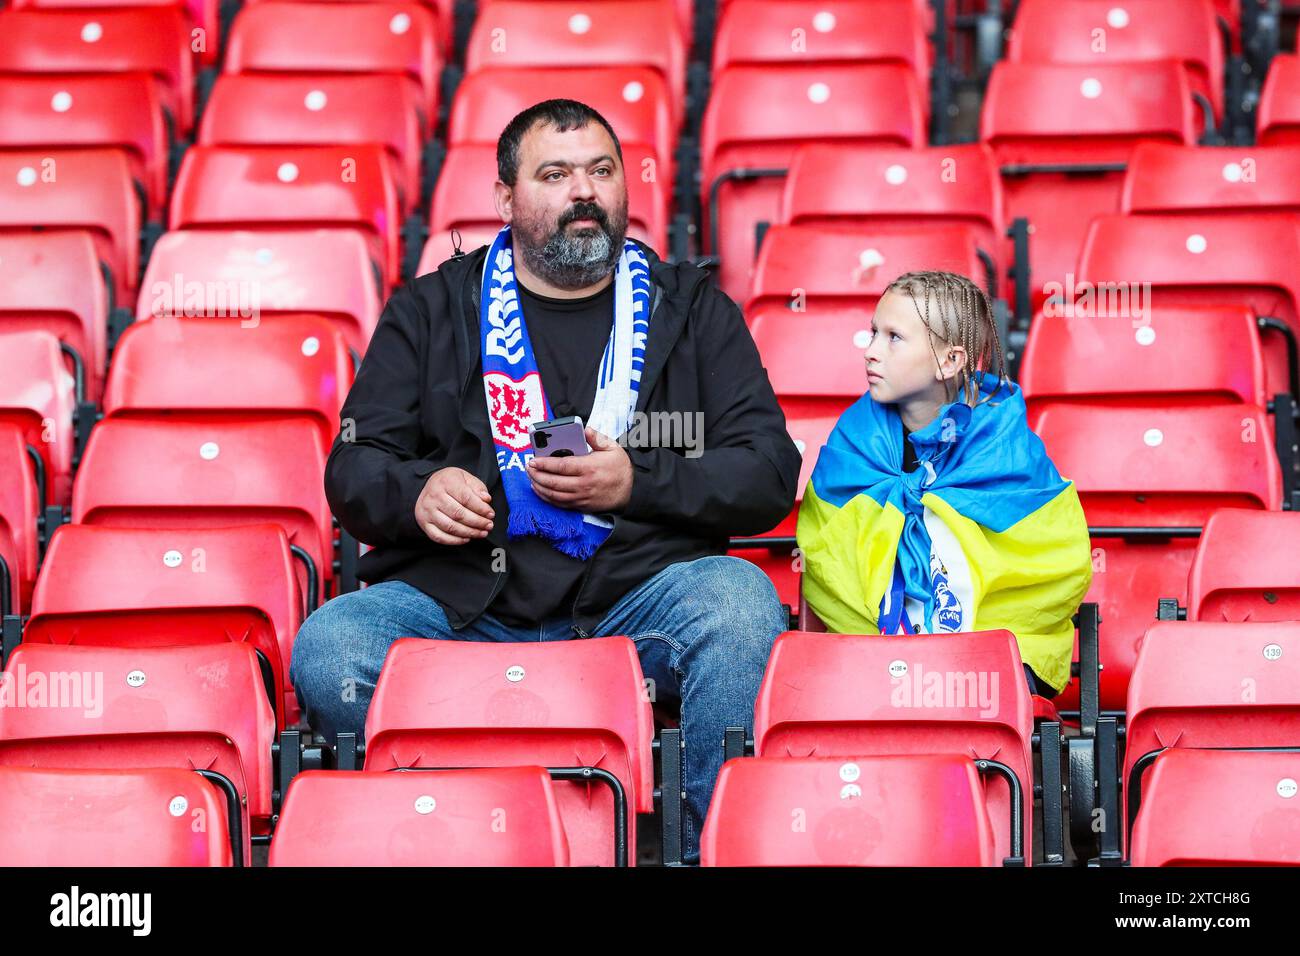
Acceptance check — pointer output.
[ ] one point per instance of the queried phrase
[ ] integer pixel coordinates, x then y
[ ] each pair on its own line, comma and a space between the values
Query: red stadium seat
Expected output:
486, 817
1206, 260
202, 706
565, 704
756, 118
1278, 113
1219, 808
204, 16
1092, 32
1227, 181
1199, 685
280, 187
1236, 574
1131, 470
442, 10
199, 370
143, 587
324, 110
823, 31
185, 475
874, 188
320, 272
154, 817
463, 201
1061, 135
1171, 355
52, 282
38, 395
863, 811
54, 112
388, 36
633, 99
683, 9
153, 40
19, 506
848, 696
611, 33
89, 190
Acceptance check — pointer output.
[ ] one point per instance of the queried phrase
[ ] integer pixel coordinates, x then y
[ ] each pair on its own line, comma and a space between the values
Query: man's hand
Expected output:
454, 507
596, 482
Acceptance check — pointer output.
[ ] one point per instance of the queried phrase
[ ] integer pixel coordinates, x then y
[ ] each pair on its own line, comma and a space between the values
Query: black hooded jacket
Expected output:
417, 406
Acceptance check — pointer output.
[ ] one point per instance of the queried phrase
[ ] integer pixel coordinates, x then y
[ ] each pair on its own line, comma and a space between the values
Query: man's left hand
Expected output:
596, 482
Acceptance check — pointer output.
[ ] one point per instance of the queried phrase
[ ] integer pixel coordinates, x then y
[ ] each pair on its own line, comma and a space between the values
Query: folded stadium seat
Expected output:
463, 201
923, 8
849, 696
194, 369
323, 110
862, 811
1062, 134
1278, 113
813, 295
202, 706
1107, 32
608, 33
561, 704
20, 504
1199, 686
633, 99
1227, 181
52, 282
54, 112
879, 188
684, 11
149, 817
152, 40
443, 15
1145, 507
39, 396
187, 475
145, 587
386, 36
758, 115
823, 31
1166, 356
486, 817
1208, 260
85, 190
1219, 808
1236, 574
320, 272
280, 187
204, 16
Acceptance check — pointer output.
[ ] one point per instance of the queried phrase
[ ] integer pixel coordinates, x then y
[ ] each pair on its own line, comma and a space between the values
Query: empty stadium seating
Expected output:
1236, 574
20, 504
39, 396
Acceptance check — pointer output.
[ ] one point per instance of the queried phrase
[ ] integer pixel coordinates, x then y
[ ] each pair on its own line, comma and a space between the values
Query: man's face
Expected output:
568, 208
900, 359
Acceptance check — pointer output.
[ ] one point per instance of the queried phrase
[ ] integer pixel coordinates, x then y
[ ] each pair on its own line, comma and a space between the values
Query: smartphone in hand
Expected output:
559, 437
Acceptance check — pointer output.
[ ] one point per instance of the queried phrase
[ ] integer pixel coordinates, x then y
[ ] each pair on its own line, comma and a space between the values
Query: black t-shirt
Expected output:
909, 453
568, 338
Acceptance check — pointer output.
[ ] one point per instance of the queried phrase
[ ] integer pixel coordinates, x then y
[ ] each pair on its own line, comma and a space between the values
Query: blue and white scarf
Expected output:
513, 388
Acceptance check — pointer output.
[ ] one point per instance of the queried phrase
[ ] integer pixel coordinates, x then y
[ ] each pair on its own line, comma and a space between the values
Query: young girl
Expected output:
933, 508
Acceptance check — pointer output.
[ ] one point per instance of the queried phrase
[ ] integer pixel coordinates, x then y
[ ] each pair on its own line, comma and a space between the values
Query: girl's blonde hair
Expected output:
965, 314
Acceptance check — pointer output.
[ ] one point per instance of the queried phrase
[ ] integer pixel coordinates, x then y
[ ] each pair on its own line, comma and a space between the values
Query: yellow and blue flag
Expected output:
985, 534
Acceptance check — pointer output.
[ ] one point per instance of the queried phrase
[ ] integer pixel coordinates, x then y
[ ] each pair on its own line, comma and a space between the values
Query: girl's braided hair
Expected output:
966, 317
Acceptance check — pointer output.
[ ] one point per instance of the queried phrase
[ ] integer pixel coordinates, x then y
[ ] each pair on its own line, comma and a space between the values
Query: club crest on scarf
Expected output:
512, 387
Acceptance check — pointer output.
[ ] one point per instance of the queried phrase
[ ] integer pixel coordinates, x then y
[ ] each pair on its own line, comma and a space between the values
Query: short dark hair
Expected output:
564, 115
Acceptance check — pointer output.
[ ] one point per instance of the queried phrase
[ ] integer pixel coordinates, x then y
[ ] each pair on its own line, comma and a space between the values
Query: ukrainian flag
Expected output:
984, 535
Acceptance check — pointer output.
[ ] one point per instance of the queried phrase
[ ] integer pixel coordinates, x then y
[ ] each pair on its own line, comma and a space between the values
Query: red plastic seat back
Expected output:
38, 396
863, 811
155, 817
203, 15
1219, 808
1226, 181
19, 505
1278, 114
834, 695
1236, 574
487, 817
323, 272
142, 587
563, 704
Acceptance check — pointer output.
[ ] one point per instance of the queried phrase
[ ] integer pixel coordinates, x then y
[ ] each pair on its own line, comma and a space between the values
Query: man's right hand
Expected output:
454, 507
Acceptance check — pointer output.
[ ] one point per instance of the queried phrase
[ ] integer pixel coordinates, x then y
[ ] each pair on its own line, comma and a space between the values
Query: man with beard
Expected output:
475, 539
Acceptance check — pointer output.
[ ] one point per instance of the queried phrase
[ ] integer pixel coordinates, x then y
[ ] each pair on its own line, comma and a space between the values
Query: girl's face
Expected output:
901, 364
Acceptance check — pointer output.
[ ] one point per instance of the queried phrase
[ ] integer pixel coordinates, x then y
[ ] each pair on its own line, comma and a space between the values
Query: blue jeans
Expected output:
703, 630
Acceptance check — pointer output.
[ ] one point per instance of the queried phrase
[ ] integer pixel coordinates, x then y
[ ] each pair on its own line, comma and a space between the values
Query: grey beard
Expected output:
573, 261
